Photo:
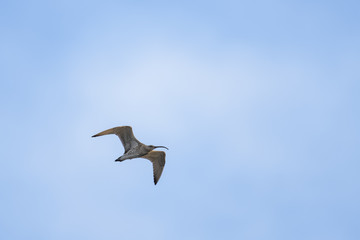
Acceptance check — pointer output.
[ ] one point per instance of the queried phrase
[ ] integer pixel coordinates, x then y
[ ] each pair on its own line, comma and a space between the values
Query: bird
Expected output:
135, 149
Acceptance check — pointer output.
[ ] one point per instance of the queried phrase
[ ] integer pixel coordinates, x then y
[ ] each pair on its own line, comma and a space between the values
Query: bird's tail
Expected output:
109, 131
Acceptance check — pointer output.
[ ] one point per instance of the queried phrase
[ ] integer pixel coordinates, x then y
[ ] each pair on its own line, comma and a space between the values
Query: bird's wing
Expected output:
158, 160
125, 134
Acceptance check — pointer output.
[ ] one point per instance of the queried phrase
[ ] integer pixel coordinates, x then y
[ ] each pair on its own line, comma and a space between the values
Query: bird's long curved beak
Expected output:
161, 147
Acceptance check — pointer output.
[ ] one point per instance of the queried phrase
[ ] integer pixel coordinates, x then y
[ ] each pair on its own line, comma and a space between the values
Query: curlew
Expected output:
135, 149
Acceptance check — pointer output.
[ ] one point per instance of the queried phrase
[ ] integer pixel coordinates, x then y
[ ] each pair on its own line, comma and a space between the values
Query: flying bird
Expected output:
135, 149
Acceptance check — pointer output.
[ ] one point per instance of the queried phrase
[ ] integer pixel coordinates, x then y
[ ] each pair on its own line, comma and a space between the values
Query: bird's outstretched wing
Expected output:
158, 160
125, 134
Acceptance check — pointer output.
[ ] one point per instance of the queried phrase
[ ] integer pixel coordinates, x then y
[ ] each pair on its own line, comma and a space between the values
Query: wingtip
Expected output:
94, 135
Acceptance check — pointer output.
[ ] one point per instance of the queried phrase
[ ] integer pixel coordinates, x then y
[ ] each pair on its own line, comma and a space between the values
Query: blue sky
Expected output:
258, 102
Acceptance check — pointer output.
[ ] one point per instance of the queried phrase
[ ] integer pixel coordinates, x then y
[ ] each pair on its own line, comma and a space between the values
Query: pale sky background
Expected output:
258, 102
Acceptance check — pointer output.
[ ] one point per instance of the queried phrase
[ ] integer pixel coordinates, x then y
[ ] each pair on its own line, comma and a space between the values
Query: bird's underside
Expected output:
135, 149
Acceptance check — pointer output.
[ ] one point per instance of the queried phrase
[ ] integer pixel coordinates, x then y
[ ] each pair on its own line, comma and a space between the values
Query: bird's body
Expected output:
135, 152
135, 149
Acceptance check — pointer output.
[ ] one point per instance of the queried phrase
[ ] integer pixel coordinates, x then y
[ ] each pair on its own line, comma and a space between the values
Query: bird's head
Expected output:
153, 147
